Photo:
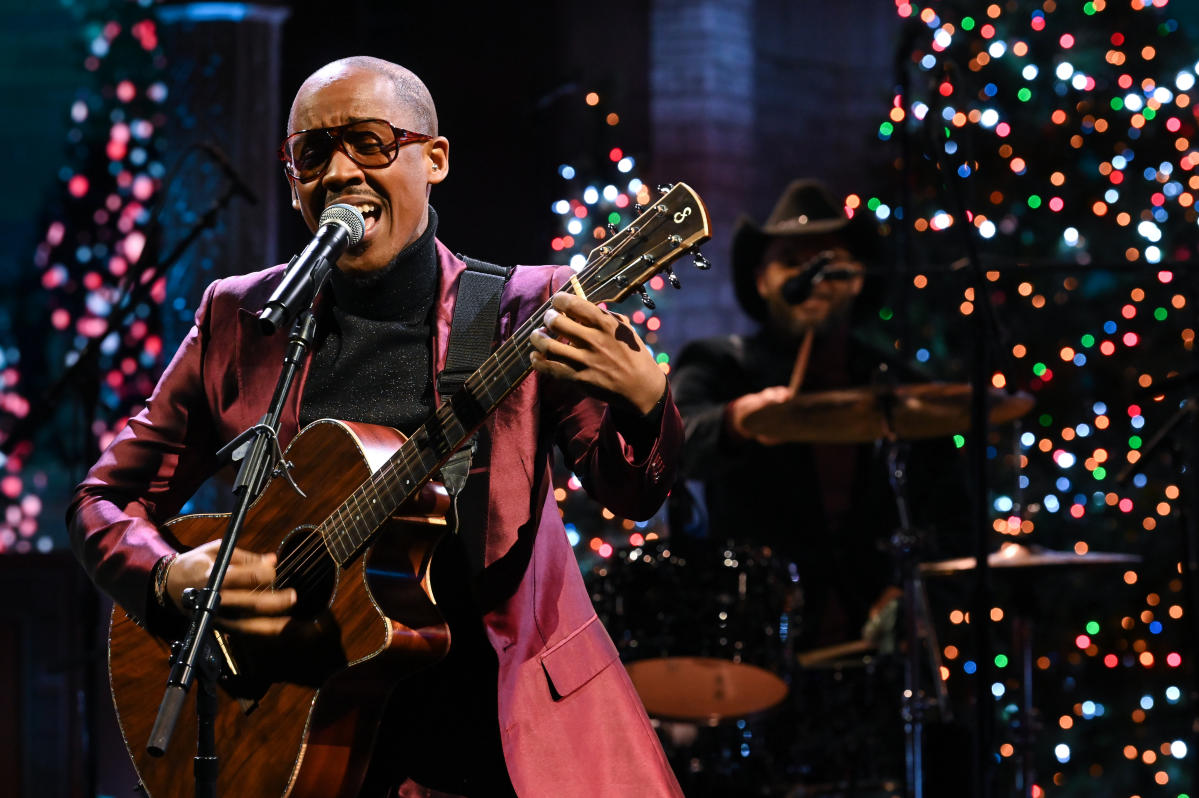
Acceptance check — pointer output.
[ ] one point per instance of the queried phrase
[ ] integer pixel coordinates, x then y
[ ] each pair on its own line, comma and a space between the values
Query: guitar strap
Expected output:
472, 333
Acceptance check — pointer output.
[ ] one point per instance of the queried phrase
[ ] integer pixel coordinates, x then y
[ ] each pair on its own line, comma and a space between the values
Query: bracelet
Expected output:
161, 569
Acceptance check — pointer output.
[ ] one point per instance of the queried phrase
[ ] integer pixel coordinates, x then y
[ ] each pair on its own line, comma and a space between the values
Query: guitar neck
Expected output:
666, 230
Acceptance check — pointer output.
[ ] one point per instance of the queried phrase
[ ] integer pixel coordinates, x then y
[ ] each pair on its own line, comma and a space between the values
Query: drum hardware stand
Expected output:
905, 546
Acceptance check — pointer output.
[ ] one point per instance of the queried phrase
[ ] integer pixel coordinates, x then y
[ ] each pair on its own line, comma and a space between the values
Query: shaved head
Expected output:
410, 91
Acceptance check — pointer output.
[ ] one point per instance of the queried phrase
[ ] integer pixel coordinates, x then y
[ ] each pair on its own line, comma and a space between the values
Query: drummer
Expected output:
800, 276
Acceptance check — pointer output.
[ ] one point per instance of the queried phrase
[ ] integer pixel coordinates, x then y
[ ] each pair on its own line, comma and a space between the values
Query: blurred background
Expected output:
1032, 163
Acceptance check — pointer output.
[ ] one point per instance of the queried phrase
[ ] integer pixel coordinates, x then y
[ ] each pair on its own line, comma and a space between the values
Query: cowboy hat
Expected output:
805, 208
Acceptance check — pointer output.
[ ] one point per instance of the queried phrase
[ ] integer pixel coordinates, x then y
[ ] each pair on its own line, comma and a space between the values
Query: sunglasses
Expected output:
370, 143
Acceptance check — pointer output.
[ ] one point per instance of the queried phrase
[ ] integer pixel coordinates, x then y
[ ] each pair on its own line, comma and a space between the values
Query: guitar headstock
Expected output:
670, 226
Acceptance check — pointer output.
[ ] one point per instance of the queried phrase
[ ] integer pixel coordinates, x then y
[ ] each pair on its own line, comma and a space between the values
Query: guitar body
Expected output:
298, 713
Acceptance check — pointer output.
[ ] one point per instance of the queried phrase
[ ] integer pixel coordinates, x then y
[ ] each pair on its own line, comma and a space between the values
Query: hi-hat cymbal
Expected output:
859, 415
1017, 555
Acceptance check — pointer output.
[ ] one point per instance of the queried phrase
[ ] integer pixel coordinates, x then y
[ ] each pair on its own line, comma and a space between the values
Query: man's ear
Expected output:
437, 152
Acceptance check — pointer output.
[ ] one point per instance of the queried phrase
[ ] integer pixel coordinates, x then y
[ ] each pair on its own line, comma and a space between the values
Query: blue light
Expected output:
1109, 327
1140, 480
963, 171
951, 147
990, 90
1003, 504
1063, 484
922, 355
1088, 709
1137, 422
1051, 503
1099, 408
997, 689
929, 61
1027, 439
1173, 694
566, 171
561, 207
1062, 752
590, 195
1080, 359
1146, 702
1155, 627
969, 666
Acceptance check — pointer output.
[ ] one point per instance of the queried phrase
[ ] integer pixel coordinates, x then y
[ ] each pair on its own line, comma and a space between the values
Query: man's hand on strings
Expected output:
598, 349
249, 603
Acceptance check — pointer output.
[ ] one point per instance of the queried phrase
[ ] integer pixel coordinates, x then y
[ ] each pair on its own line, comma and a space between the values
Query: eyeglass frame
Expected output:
336, 132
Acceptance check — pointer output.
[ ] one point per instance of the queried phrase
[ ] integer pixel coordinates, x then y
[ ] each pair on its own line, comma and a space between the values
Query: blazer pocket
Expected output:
576, 659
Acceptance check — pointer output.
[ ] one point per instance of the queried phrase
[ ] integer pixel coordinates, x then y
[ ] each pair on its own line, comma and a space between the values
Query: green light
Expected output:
1045, 419
1134, 442
1160, 314
1001, 660
663, 357
1038, 369
873, 203
1117, 104
959, 441
1088, 340
1024, 94
1092, 627
885, 314
1034, 201
886, 129
967, 23
1099, 473
1148, 113
1088, 9
614, 218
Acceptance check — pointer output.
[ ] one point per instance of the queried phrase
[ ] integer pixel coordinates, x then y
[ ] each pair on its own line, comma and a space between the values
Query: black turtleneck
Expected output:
372, 357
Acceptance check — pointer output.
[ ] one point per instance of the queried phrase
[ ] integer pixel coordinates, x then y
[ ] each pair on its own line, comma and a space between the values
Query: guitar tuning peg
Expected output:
645, 297
665, 188
611, 229
673, 278
700, 261
621, 280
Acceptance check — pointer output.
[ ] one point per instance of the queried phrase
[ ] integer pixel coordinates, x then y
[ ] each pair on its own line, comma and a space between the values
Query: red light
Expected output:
1126, 505
1173, 659
1173, 125
1130, 339
581, 212
1128, 311
1067, 41
1077, 511
1117, 39
636, 539
605, 550
653, 323
1003, 130
1117, 177
1082, 641
77, 185
1165, 276
615, 155
946, 89
1134, 411
1107, 347
1111, 660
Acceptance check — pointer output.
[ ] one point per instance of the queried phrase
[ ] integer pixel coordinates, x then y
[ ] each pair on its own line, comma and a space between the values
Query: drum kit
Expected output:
708, 635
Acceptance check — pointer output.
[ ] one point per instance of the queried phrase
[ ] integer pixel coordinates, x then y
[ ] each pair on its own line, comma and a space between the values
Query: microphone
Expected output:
340, 227
222, 160
799, 287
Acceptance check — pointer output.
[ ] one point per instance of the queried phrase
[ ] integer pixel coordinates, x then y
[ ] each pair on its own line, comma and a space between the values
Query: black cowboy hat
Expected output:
805, 208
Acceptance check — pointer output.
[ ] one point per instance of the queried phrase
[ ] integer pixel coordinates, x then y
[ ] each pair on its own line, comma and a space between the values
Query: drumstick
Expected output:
801, 362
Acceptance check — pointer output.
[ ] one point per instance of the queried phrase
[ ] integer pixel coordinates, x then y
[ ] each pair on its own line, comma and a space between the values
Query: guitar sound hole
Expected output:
304, 564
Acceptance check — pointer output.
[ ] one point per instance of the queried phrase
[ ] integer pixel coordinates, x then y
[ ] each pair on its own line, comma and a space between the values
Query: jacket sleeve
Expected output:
625, 464
149, 470
705, 379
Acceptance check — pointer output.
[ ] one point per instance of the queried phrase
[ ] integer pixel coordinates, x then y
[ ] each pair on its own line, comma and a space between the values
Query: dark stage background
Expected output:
736, 98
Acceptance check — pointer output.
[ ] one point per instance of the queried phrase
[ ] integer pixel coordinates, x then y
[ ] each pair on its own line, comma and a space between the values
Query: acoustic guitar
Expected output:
297, 713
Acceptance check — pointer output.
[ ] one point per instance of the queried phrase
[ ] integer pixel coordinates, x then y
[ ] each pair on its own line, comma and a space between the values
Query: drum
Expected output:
707, 634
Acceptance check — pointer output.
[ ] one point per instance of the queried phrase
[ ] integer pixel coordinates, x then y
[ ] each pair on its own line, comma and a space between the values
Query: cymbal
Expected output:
860, 415
1017, 555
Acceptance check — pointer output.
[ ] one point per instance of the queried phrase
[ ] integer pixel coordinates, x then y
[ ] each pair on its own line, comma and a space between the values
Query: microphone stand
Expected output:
197, 656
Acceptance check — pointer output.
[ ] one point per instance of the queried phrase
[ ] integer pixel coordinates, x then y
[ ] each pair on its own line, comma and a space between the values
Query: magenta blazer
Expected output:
571, 723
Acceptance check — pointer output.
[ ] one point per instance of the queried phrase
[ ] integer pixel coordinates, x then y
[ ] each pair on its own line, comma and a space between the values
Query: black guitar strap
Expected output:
472, 334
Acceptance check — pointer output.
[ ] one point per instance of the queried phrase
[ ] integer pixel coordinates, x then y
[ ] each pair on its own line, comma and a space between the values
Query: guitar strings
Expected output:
303, 565
306, 563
